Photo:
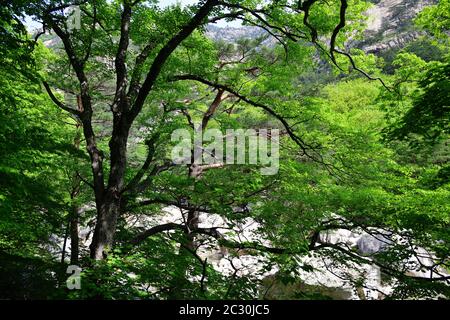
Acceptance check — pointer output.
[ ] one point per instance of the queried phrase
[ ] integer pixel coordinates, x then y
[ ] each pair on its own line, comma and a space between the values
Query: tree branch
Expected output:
305, 147
121, 70
86, 105
165, 52
140, 174
155, 230
58, 102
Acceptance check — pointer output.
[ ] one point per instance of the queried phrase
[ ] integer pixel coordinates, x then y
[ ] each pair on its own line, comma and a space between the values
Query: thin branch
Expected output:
150, 155
85, 181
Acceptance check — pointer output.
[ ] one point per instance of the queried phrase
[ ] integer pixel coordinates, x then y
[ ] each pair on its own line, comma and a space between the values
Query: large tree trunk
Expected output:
105, 229
109, 210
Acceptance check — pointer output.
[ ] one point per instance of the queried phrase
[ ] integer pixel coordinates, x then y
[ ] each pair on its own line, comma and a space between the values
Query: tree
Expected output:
131, 92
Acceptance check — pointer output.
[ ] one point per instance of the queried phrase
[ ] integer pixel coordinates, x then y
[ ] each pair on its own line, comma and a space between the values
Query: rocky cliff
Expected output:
391, 25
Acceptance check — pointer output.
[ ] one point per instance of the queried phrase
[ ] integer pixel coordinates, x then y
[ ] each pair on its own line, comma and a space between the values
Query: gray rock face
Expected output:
391, 24
232, 34
368, 244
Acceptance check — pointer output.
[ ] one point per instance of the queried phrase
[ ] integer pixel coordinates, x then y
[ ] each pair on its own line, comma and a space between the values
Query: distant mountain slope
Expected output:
390, 28
391, 25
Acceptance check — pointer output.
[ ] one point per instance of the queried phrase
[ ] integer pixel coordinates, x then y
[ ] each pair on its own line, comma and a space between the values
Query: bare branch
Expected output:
212, 108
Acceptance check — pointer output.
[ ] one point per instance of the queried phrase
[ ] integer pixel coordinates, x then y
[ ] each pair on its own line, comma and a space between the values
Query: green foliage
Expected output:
347, 176
36, 145
429, 115
435, 19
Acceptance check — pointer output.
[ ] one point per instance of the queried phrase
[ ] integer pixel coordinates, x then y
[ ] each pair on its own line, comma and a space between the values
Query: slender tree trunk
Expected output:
192, 220
76, 186
193, 215
74, 237
180, 283
63, 252
195, 170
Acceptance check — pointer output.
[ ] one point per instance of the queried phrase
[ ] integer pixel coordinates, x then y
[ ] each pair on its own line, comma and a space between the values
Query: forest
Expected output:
224, 149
